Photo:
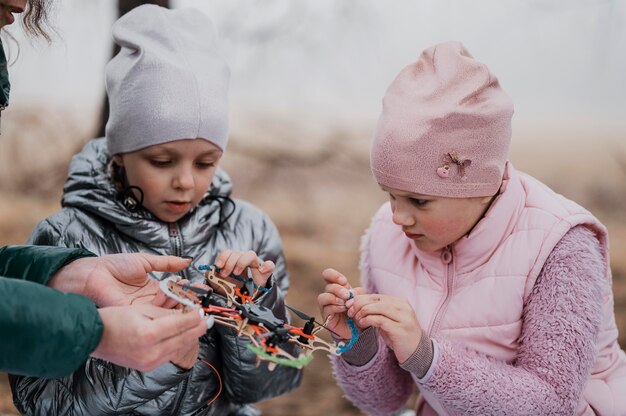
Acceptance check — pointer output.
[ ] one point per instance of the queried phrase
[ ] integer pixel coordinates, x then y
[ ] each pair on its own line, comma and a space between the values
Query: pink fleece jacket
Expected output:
544, 372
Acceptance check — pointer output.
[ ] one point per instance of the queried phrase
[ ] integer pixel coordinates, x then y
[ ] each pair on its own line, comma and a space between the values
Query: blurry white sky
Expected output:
331, 60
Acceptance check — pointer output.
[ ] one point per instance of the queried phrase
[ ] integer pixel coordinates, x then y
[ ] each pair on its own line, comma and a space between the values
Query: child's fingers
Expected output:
246, 259
333, 310
333, 276
231, 263
258, 269
382, 322
222, 258
358, 291
260, 279
338, 291
267, 266
360, 299
326, 299
395, 309
376, 308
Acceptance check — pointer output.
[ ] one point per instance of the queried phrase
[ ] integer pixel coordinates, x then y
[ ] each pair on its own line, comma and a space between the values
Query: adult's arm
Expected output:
47, 333
101, 387
37, 263
44, 332
31, 312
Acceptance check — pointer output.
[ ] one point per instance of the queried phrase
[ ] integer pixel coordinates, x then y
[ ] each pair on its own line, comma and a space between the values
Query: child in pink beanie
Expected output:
479, 284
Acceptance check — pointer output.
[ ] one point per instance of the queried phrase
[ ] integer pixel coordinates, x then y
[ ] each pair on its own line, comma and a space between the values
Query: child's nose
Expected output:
184, 179
402, 217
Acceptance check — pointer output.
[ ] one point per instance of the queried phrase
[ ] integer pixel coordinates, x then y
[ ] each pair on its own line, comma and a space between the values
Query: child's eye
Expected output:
418, 202
205, 165
160, 163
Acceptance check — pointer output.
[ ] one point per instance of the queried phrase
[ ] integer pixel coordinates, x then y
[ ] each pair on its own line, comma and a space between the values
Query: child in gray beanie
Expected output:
153, 185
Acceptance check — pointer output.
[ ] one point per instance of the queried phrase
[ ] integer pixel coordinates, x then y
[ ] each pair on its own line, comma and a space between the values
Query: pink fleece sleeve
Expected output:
557, 346
379, 387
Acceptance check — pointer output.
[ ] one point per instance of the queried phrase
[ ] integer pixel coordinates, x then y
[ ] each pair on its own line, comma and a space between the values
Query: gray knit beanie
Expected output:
167, 82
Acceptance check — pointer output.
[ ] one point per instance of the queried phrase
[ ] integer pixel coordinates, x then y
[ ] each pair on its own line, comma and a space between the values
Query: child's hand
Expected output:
235, 262
393, 316
332, 302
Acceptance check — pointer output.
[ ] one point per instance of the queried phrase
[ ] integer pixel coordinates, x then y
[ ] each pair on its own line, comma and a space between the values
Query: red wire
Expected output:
218, 379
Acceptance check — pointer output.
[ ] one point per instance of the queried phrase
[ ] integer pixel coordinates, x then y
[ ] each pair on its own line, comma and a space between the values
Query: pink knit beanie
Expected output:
445, 127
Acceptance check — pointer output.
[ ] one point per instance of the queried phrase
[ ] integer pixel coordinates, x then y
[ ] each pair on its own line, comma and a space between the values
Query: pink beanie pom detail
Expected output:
445, 127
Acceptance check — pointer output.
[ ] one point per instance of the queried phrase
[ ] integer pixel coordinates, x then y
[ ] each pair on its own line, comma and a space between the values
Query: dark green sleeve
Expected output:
37, 263
44, 332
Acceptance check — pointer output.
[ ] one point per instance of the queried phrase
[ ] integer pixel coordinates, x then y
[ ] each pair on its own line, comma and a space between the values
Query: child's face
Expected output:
174, 176
435, 222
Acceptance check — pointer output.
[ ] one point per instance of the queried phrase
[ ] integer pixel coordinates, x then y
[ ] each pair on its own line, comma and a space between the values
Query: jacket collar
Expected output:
476, 248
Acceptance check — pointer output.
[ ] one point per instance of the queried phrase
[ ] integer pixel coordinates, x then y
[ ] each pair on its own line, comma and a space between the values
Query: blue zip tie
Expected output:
353, 339
234, 276
355, 334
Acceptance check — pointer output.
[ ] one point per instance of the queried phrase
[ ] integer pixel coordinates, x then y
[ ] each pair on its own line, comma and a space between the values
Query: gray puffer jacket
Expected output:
94, 218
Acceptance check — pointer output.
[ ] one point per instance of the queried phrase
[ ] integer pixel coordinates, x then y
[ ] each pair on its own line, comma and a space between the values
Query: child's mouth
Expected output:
178, 206
413, 236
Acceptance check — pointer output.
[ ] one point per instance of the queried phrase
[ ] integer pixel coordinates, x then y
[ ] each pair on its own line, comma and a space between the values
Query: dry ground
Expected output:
319, 192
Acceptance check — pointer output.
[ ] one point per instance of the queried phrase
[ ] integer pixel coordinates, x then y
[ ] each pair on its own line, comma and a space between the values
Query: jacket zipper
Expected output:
447, 259
177, 246
177, 243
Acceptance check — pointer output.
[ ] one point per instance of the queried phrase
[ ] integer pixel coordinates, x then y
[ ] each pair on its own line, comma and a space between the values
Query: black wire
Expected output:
223, 202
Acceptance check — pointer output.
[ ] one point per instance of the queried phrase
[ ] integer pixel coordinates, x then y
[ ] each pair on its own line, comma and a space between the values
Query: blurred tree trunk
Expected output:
123, 7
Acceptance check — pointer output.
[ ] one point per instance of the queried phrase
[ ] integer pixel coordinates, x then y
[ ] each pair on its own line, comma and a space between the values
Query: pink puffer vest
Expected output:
475, 292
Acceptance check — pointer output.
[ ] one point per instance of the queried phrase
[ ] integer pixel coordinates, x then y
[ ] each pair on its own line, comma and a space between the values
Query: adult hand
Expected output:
332, 302
393, 316
118, 279
186, 358
236, 262
145, 336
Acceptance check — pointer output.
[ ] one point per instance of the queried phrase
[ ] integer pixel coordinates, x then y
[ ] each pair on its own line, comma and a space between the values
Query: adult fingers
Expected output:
157, 263
170, 323
180, 337
163, 301
166, 349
